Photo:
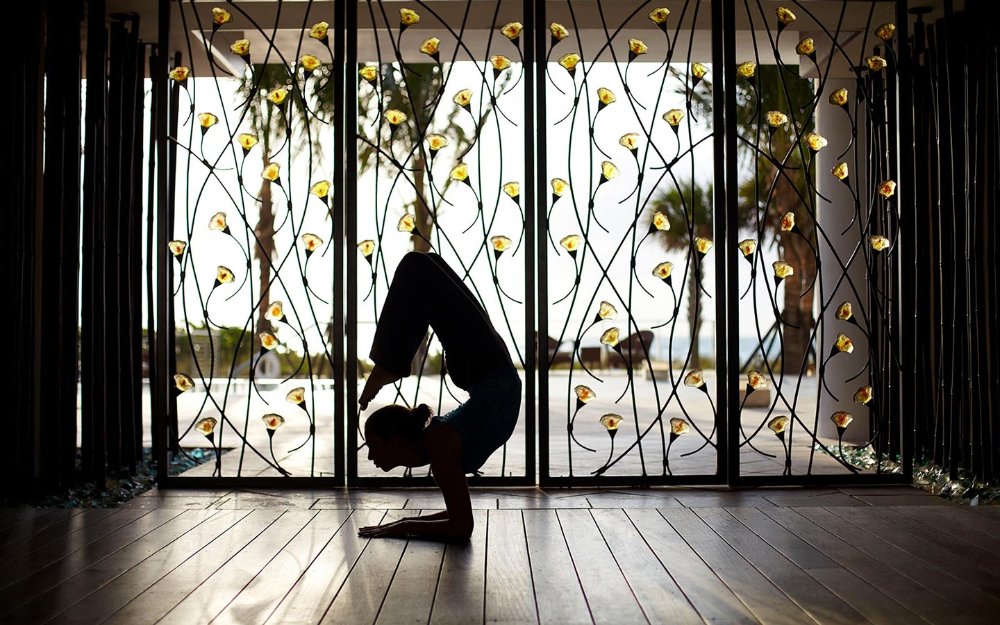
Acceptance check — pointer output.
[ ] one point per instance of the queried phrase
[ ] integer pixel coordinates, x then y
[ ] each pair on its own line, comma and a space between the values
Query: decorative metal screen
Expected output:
682, 217
440, 167
253, 240
627, 249
816, 212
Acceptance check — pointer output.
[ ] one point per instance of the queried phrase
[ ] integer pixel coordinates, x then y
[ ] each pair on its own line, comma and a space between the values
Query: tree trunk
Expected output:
264, 250
420, 209
694, 314
425, 225
797, 310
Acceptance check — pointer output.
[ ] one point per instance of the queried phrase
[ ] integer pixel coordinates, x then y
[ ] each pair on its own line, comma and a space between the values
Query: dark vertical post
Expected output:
905, 341
728, 439
172, 113
530, 147
21, 154
349, 105
59, 254
540, 200
134, 266
343, 143
117, 135
163, 328
722, 11
92, 390
153, 371
924, 339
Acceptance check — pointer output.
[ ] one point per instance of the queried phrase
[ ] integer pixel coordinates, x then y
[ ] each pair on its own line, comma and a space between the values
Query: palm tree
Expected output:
688, 203
272, 128
794, 248
417, 91
781, 169
414, 94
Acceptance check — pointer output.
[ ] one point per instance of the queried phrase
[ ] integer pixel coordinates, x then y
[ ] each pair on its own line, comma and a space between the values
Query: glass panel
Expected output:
253, 240
440, 168
629, 318
818, 219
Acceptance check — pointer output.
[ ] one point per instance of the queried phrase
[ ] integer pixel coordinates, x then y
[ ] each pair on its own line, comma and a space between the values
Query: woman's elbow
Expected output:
462, 529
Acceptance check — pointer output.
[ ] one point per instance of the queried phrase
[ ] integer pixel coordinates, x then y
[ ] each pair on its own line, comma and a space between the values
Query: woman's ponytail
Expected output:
421, 414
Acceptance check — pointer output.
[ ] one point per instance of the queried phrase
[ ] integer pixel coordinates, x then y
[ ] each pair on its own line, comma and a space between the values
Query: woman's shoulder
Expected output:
442, 441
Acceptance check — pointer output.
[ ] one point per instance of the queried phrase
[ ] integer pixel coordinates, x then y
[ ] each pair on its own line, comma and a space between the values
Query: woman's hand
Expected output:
378, 378
396, 529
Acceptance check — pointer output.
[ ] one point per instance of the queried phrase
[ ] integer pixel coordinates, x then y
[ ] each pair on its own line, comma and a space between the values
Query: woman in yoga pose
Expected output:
424, 292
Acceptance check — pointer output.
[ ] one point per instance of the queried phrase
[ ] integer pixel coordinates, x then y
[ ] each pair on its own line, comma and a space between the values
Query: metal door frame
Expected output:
723, 13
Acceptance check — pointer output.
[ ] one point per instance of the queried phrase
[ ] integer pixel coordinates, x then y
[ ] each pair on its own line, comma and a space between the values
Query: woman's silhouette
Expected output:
426, 292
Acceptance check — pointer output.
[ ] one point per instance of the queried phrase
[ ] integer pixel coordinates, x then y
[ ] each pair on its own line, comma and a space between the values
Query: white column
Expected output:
833, 217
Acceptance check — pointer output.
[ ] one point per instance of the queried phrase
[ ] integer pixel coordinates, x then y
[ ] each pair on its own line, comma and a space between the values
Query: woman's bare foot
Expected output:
378, 378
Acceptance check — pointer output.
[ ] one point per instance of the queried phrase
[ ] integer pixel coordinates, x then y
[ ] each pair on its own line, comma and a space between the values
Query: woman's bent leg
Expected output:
421, 294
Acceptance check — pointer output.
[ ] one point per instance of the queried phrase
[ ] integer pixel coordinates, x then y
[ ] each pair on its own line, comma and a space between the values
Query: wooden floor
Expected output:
859, 555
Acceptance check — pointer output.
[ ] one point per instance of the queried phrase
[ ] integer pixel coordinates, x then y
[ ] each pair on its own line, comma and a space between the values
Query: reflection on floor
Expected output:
677, 555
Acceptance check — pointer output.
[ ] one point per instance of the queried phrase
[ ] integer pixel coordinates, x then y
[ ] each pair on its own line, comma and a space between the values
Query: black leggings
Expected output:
424, 292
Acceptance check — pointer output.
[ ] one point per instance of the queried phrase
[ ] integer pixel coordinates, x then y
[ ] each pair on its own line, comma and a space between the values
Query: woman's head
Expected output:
392, 434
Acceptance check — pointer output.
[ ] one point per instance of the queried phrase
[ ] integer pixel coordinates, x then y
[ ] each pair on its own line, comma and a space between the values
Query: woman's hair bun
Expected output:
423, 413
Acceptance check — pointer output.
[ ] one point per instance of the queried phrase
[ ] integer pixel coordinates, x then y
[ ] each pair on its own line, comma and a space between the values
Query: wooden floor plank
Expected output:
148, 590
364, 590
49, 575
410, 596
312, 592
954, 527
608, 594
34, 526
656, 591
221, 587
810, 595
47, 601
941, 583
896, 529
919, 598
261, 596
177, 571
804, 555
460, 592
958, 522
875, 606
698, 498
509, 592
713, 600
916, 499
38, 559
362, 501
990, 513
434, 500
560, 556
956, 542
633, 500
757, 592
11, 517
558, 593
813, 498
55, 532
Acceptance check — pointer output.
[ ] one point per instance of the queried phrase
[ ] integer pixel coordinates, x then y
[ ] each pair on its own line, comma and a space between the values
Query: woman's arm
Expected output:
456, 523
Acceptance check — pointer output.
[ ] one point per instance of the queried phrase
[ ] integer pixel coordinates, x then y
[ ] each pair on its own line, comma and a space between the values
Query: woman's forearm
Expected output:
441, 529
437, 516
